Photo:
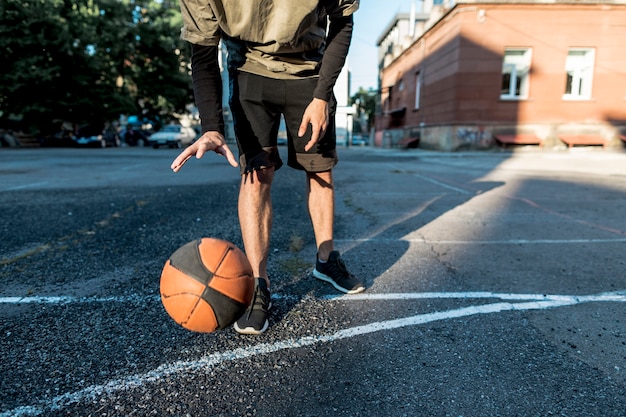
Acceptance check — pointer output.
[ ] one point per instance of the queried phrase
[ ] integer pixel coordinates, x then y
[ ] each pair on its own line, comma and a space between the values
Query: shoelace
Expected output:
340, 267
258, 301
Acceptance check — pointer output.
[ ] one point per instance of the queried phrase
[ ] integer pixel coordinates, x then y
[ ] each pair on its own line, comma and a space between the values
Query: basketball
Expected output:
206, 285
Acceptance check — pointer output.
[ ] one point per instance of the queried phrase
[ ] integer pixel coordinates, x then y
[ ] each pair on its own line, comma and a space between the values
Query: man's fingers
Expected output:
316, 114
314, 137
200, 151
180, 161
225, 151
303, 127
181, 158
210, 141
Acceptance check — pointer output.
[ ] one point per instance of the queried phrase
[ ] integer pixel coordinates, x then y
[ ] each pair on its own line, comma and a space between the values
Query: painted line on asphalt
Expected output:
617, 296
433, 181
613, 296
485, 242
211, 360
21, 187
67, 299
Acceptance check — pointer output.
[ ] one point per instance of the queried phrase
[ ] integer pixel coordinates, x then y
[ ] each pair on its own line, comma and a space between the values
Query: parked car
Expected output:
97, 137
63, 138
282, 138
358, 140
173, 136
282, 132
135, 136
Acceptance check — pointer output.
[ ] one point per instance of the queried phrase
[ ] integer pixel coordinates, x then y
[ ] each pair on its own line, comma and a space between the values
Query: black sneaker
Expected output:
254, 320
335, 272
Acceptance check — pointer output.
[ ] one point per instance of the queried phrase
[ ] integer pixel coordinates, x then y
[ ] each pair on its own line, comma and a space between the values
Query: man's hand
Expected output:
210, 141
316, 114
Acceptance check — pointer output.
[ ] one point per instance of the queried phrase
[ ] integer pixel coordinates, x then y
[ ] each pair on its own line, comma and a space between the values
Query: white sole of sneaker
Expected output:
328, 279
251, 330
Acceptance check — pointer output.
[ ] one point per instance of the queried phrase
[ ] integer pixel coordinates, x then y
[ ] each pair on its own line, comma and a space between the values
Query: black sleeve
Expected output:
337, 46
207, 87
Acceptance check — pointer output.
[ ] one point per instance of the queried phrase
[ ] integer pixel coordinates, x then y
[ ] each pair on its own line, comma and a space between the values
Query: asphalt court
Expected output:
496, 286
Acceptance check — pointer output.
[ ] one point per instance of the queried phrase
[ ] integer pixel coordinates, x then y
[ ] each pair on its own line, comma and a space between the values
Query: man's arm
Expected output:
337, 46
207, 87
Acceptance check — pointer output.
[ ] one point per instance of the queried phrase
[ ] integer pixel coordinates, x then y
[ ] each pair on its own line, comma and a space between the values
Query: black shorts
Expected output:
257, 103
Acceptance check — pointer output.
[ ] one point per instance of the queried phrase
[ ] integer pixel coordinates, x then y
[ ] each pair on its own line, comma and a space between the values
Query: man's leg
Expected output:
255, 219
255, 102
321, 204
329, 266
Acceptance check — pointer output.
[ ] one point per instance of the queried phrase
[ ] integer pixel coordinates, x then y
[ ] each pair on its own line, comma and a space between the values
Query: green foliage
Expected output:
88, 61
366, 105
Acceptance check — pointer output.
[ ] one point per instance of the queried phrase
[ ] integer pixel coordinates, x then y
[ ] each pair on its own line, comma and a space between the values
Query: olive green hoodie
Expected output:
273, 38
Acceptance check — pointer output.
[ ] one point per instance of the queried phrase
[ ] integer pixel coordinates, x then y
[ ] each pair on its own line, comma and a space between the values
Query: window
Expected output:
579, 73
515, 73
418, 87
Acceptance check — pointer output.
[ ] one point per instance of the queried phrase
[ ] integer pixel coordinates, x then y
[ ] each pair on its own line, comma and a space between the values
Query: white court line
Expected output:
610, 296
434, 181
65, 299
208, 361
616, 296
486, 242
131, 167
21, 187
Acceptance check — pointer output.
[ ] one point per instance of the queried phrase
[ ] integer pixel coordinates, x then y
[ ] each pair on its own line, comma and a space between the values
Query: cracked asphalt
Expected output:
496, 287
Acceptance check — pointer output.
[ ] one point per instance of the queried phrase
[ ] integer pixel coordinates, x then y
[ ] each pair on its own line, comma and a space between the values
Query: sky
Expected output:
370, 20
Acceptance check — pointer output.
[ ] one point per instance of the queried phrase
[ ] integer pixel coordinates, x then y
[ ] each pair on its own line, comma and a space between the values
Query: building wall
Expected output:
460, 63
344, 115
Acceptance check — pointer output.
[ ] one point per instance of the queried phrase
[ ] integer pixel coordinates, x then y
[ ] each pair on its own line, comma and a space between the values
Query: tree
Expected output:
88, 61
366, 108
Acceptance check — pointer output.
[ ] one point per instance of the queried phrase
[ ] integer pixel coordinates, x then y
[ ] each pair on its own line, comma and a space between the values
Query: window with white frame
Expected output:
418, 87
579, 73
515, 73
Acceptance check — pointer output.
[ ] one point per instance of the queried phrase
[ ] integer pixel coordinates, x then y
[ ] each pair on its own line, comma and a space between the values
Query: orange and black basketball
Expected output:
206, 285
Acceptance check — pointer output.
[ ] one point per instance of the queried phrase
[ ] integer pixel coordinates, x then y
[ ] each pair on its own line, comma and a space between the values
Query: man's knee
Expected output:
260, 177
324, 178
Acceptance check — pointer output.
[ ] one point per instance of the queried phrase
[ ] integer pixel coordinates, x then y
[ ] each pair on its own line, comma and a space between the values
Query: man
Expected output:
284, 57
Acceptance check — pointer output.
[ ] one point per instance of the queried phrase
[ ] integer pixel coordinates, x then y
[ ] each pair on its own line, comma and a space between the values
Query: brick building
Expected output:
479, 73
